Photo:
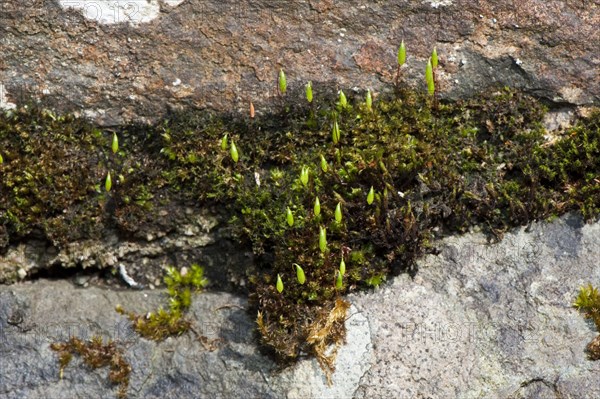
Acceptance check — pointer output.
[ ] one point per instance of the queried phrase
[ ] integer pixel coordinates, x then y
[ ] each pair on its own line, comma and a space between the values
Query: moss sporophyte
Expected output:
401, 171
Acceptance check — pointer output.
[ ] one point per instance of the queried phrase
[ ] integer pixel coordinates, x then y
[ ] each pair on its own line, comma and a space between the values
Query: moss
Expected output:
163, 323
588, 302
96, 354
441, 168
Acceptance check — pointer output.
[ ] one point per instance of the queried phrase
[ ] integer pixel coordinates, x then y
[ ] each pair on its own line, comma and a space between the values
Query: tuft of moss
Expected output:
96, 354
163, 323
433, 169
588, 302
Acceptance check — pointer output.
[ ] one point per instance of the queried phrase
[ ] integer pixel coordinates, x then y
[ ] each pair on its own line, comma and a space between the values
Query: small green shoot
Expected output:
429, 78
338, 213
108, 182
234, 152
317, 207
371, 196
115, 143
309, 92
300, 273
282, 82
165, 323
335, 132
588, 302
224, 143
322, 239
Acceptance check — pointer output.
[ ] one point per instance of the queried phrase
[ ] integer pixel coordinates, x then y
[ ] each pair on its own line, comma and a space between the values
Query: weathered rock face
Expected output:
489, 321
479, 320
229, 366
135, 59
192, 236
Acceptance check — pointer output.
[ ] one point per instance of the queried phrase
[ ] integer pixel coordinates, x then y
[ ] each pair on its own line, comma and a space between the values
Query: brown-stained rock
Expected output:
221, 55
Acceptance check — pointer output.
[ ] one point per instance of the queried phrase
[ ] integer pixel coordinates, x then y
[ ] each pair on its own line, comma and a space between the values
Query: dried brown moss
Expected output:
96, 354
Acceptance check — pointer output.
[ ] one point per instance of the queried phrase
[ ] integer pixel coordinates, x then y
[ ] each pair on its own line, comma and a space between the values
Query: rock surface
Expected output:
478, 321
177, 241
488, 321
32, 316
133, 60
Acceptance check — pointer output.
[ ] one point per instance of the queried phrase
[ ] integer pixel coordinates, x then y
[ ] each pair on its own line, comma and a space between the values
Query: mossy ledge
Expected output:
401, 171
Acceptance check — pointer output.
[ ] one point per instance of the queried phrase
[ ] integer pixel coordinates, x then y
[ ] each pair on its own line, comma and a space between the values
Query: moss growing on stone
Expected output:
588, 302
96, 354
163, 323
483, 161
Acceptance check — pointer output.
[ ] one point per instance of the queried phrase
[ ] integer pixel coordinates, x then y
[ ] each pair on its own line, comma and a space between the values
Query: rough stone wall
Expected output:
138, 59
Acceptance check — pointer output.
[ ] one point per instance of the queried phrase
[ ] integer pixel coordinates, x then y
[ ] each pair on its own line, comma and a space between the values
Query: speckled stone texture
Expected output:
478, 321
134, 60
228, 365
489, 321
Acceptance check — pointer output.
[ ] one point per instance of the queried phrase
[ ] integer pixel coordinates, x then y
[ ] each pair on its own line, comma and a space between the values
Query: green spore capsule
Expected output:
371, 196
300, 274
343, 101
108, 182
342, 267
322, 238
317, 207
338, 213
335, 133
282, 82
234, 152
115, 143
279, 284
224, 143
429, 78
401, 54
289, 217
304, 176
324, 166
309, 92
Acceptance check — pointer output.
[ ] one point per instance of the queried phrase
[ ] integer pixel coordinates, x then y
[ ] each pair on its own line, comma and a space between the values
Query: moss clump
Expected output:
483, 161
53, 174
588, 302
96, 354
432, 170
163, 323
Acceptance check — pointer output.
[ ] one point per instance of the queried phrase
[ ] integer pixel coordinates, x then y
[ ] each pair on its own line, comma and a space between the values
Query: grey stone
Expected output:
34, 315
479, 320
484, 320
